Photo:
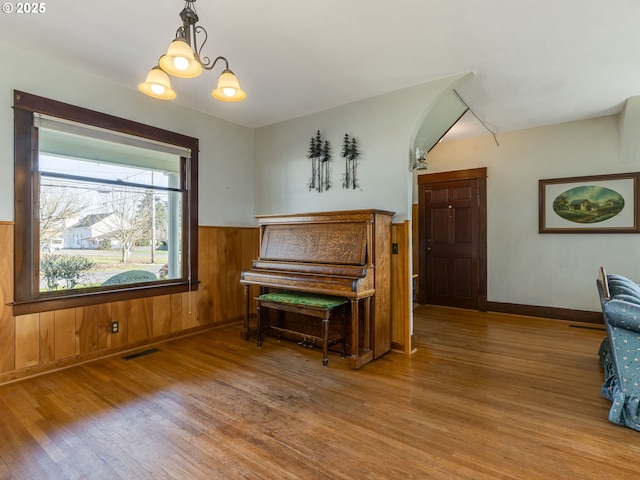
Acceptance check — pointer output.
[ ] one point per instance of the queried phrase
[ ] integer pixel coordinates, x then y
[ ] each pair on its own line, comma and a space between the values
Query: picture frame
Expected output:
590, 204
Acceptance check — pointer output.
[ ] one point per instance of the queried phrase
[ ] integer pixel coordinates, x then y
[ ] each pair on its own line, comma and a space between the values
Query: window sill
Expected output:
60, 302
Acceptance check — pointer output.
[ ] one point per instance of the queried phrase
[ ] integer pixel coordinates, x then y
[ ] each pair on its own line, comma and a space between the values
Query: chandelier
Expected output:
183, 60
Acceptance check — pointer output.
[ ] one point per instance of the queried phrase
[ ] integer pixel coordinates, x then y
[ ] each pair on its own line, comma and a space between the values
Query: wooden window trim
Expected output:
26, 300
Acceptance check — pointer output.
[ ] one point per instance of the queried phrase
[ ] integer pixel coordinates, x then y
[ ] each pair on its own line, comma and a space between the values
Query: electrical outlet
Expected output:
115, 327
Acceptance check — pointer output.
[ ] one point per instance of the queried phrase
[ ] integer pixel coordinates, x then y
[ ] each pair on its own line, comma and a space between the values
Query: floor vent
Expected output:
141, 354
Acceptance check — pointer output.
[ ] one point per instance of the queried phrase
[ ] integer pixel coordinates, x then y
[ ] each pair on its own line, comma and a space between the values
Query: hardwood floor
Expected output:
485, 396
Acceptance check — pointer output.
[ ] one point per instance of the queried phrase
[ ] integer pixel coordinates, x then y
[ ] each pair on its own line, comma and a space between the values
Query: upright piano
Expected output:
342, 253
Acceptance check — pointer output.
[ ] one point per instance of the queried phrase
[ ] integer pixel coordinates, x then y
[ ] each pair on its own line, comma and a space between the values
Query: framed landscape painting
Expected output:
593, 204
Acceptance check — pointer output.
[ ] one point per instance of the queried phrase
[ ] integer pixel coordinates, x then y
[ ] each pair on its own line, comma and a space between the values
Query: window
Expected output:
105, 208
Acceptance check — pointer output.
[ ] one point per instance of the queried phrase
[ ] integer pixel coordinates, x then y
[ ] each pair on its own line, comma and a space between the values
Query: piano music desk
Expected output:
313, 305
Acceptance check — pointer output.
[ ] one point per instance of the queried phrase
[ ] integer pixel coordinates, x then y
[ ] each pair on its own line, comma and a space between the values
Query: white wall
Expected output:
383, 126
525, 267
226, 149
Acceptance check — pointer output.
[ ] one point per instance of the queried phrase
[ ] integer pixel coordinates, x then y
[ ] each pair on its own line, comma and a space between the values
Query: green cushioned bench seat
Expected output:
304, 298
304, 303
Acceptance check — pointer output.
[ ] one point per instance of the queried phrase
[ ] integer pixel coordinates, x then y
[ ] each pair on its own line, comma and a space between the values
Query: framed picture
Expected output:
593, 204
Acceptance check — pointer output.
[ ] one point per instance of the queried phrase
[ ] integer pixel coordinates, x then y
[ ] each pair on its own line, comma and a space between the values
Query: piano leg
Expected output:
366, 329
247, 305
360, 354
355, 334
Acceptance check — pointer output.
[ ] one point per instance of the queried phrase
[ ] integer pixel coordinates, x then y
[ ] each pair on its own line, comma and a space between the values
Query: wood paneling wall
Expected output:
415, 224
38, 342
400, 289
7, 325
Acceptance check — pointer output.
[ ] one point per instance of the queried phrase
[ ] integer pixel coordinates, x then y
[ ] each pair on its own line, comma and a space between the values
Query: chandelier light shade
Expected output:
183, 60
179, 60
157, 85
228, 89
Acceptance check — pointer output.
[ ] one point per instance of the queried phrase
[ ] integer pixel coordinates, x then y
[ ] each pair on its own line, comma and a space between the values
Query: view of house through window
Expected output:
109, 213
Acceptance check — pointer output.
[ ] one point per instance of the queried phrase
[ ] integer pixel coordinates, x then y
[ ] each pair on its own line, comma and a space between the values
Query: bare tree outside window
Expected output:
127, 224
58, 208
116, 216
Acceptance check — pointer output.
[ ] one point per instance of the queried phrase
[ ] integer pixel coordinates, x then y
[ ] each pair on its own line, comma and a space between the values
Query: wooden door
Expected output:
452, 252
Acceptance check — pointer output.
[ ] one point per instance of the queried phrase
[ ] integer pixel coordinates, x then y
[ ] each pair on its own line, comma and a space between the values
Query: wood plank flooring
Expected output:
485, 396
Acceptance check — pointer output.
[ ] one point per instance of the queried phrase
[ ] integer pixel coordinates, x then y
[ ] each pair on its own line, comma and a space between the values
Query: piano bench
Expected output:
304, 303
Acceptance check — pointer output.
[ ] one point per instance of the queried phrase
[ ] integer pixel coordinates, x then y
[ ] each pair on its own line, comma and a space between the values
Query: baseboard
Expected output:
546, 312
398, 347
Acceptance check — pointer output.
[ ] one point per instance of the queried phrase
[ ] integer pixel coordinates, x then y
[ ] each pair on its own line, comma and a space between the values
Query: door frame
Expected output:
479, 174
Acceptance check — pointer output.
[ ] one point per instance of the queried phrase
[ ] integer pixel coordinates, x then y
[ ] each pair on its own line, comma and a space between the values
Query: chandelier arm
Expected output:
204, 61
207, 67
183, 60
189, 31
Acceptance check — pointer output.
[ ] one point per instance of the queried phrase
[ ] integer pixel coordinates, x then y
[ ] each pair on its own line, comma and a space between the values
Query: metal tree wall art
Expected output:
320, 156
325, 160
350, 154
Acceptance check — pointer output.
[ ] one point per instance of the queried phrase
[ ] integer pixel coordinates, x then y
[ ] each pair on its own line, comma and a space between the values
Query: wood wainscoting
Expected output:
401, 288
39, 342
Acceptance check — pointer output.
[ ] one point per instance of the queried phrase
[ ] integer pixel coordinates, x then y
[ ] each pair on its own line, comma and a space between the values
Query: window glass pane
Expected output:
108, 223
70, 145
104, 171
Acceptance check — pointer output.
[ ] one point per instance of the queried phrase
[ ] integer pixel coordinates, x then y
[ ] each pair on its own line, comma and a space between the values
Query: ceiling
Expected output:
536, 62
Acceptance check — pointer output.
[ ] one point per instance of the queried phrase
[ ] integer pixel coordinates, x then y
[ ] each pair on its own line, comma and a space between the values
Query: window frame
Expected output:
27, 297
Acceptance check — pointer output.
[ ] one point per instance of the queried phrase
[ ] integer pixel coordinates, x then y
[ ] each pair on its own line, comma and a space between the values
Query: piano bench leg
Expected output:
325, 340
308, 339
343, 317
259, 342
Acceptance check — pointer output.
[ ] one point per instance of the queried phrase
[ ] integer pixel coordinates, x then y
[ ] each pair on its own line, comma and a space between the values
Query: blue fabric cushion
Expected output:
620, 357
620, 288
626, 283
611, 277
623, 314
627, 298
620, 351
